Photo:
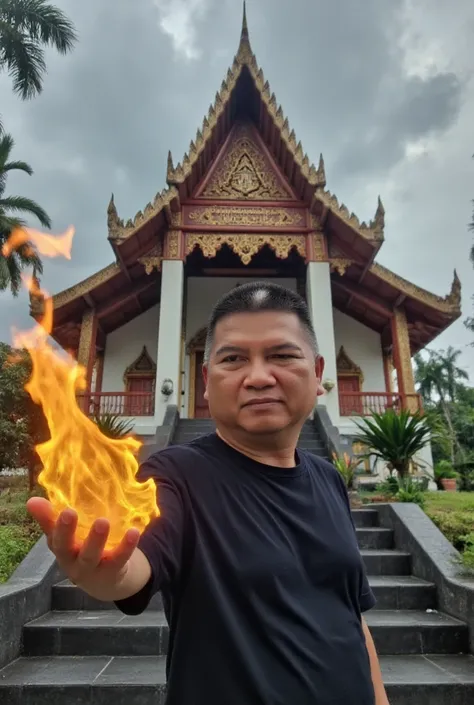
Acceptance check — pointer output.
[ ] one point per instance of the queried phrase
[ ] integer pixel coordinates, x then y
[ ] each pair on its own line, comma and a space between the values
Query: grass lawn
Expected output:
18, 533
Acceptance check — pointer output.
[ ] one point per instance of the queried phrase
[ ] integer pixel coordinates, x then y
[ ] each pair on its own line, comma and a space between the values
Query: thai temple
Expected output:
245, 203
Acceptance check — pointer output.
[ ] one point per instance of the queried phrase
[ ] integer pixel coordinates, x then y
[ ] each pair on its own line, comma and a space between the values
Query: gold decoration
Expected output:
450, 304
74, 292
245, 246
143, 366
153, 259
319, 250
257, 216
160, 202
174, 237
346, 367
244, 172
86, 341
340, 265
176, 219
114, 224
402, 354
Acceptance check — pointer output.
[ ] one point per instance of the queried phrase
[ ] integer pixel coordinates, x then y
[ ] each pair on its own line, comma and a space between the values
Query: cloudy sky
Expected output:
383, 88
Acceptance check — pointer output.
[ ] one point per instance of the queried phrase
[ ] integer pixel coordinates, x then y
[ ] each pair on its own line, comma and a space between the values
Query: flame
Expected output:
82, 468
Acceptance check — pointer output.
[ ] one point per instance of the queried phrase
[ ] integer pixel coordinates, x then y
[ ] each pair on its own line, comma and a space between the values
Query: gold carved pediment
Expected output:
143, 366
245, 246
346, 367
244, 172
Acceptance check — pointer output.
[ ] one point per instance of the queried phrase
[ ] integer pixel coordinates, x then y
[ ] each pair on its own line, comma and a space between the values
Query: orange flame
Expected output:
82, 468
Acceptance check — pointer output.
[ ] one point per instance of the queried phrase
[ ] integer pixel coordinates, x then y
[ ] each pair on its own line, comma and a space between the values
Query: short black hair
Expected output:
254, 297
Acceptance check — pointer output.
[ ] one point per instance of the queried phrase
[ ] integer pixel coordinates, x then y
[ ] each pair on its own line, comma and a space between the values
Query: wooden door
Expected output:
139, 405
201, 407
350, 400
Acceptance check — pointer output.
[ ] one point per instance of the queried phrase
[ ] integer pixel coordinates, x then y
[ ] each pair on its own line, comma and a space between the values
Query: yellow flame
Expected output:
82, 468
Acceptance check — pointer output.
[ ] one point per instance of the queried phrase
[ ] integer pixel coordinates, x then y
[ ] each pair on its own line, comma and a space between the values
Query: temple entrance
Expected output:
198, 407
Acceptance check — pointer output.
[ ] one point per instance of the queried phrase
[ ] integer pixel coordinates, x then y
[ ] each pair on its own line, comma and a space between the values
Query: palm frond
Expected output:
26, 205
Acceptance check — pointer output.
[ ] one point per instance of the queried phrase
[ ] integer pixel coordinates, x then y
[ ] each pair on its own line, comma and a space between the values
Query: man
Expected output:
255, 551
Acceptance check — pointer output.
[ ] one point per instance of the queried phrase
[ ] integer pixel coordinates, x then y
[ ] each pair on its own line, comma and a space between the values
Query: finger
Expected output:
122, 554
42, 511
63, 538
92, 550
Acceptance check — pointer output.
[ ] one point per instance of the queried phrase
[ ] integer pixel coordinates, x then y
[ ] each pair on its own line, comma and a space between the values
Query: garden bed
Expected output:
18, 532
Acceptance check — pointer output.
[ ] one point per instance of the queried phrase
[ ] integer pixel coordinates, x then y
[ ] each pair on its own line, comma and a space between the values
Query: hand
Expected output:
89, 566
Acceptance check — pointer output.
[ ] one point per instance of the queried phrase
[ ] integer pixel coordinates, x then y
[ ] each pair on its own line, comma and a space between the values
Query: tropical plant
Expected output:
11, 207
410, 492
26, 28
395, 438
443, 470
347, 468
439, 380
22, 422
113, 426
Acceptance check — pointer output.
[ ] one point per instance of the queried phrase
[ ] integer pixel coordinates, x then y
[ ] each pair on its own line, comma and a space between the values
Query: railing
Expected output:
368, 403
117, 403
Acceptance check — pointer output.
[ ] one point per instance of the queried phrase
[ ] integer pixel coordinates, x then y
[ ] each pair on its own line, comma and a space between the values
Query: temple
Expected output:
244, 203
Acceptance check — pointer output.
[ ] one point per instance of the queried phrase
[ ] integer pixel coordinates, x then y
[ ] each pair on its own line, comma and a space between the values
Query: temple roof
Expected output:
361, 287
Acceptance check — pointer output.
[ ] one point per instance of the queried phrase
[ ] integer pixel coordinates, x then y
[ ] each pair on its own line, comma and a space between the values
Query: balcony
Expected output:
368, 403
118, 403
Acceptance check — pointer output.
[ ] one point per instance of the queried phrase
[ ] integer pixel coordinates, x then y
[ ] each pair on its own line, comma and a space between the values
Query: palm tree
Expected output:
10, 209
26, 27
440, 377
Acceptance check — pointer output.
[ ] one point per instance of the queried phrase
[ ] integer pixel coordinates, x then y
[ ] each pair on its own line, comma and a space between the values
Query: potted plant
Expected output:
444, 475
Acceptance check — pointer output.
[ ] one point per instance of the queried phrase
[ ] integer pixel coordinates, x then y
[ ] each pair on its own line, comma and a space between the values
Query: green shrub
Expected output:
14, 546
468, 554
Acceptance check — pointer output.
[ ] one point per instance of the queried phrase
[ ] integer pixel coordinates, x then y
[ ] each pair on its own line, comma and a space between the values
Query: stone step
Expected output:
114, 634
100, 680
386, 562
365, 517
374, 537
402, 592
399, 592
67, 596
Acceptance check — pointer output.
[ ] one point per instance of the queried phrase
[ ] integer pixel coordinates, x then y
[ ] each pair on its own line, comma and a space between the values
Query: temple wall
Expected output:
204, 292
125, 345
364, 347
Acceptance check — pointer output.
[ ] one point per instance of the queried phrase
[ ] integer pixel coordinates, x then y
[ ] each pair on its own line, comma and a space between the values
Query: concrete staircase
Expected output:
88, 653
189, 429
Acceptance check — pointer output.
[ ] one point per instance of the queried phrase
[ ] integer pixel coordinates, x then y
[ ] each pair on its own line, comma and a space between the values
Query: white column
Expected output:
169, 335
319, 298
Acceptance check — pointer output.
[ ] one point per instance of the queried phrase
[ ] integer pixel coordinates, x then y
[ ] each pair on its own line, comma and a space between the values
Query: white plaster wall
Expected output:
125, 345
204, 292
364, 347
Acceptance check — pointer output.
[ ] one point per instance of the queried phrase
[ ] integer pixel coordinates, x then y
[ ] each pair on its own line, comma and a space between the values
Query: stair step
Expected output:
417, 632
389, 562
365, 517
410, 680
67, 596
402, 592
96, 633
111, 633
114, 634
374, 537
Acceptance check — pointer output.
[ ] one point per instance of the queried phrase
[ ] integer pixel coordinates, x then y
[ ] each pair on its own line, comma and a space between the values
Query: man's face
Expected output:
262, 376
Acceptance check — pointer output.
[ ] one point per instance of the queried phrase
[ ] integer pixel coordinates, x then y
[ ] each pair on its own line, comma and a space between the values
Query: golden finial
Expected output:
454, 297
244, 52
378, 223
170, 163
321, 171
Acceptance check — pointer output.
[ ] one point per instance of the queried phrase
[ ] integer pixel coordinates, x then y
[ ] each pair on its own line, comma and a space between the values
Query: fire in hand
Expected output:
82, 469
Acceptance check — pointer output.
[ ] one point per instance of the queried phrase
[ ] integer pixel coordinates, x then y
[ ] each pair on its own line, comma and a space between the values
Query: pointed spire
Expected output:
244, 51
378, 223
321, 171
170, 168
245, 28
454, 297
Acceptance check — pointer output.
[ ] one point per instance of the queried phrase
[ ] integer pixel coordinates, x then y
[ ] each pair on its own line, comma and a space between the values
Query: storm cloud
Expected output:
382, 87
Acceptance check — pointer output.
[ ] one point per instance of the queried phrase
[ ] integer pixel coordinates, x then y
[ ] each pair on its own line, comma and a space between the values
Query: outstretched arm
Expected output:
379, 688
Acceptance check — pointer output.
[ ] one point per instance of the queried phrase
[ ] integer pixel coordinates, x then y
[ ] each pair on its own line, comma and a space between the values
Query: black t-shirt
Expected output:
261, 577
